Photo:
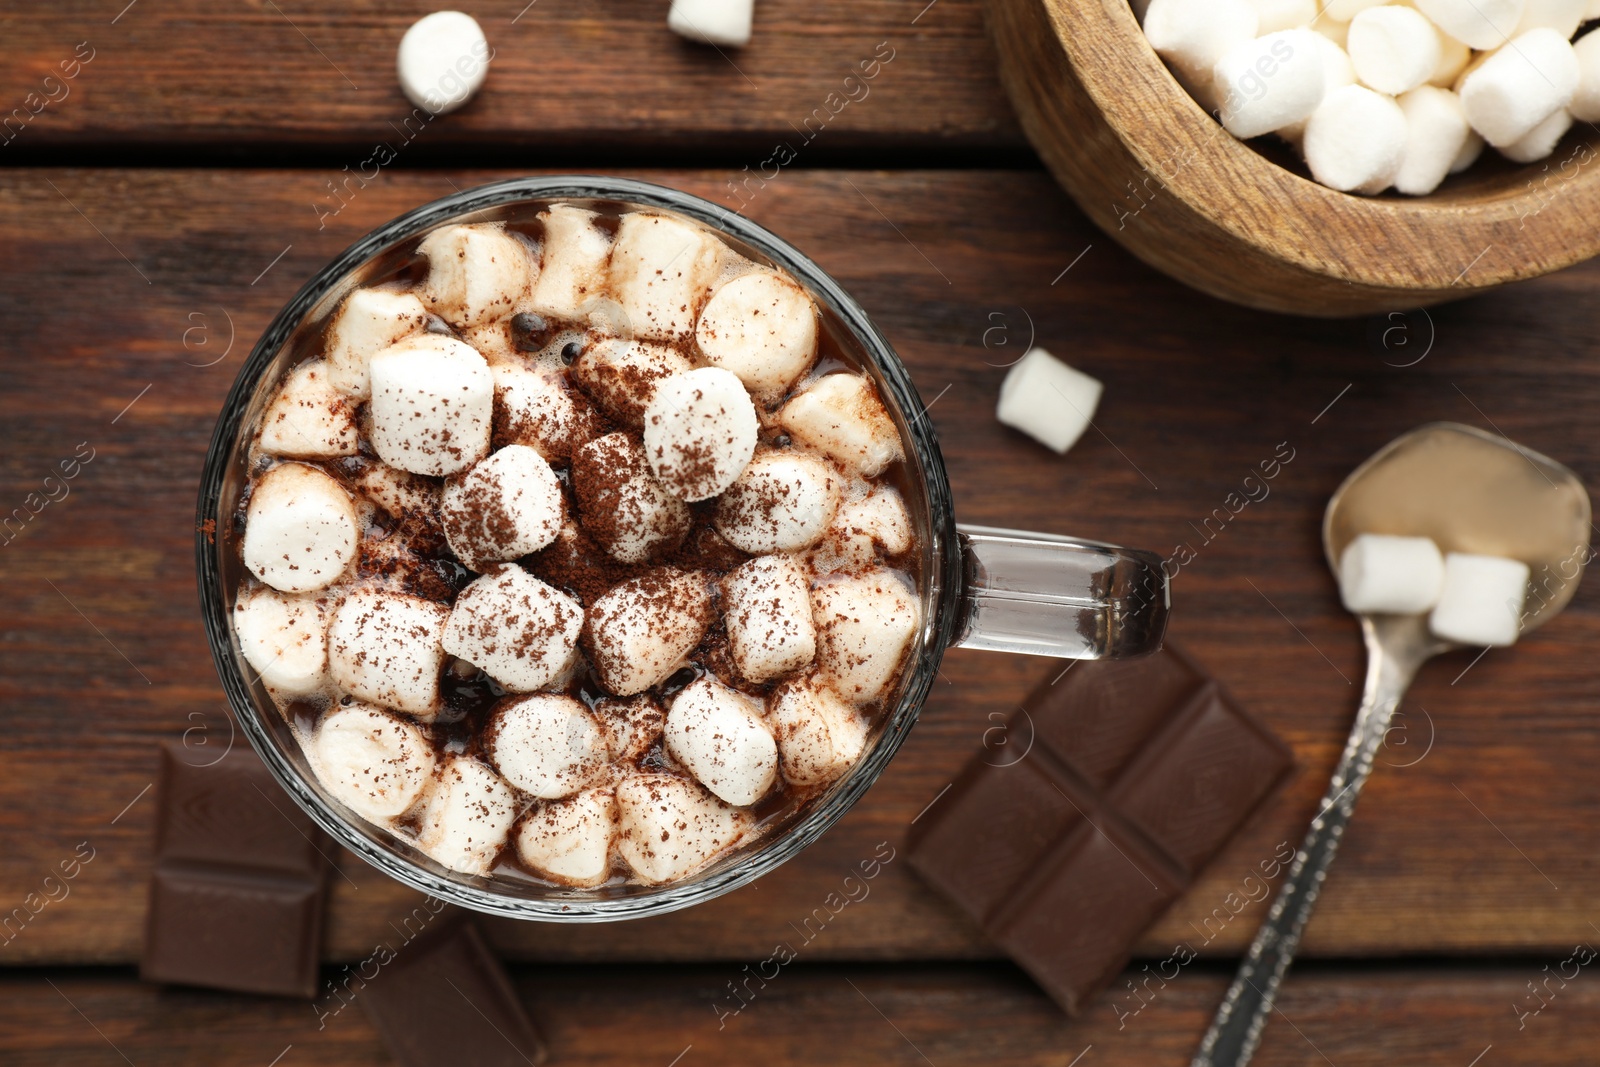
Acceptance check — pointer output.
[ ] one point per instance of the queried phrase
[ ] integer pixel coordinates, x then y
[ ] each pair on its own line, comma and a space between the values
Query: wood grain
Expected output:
1475, 835
1158, 173
867, 1016
600, 75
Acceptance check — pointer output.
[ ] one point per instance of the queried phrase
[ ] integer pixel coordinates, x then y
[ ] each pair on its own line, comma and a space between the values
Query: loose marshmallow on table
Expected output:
718, 22
547, 745
1520, 86
621, 376
374, 762
569, 841
1275, 15
640, 632
767, 606
622, 504
1563, 16
309, 417
668, 826
300, 530
700, 431
1481, 600
573, 262
1270, 82
864, 625
284, 637
386, 648
782, 502
476, 274
1436, 132
1048, 400
368, 321
519, 630
877, 522
719, 735
841, 416
1193, 35
1539, 141
1394, 49
662, 269
1585, 105
432, 405
505, 507
819, 736
467, 817
443, 61
534, 406
633, 726
1483, 24
1356, 140
1383, 574
763, 327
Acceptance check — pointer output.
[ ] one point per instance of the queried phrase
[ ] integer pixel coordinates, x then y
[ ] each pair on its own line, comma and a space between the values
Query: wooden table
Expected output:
160, 211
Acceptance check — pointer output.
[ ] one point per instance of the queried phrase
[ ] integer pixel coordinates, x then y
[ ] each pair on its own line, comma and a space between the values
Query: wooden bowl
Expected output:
1159, 174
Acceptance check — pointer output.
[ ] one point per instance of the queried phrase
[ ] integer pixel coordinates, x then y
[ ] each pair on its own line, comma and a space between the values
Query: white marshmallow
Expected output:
1356, 140
841, 416
573, 262
1048, 400
700, 431
1483, 24
625, 508
1591, 10
505, 507
670, 826
1563, 16
1383, 574
284, 638
547, 745
1275, 15
569, 841
1481, 600
1335, 30
661, 273
516, 628
819, 736
468, 815
1394, 49
443, 61
300, 530
782, 502
309, 417
1585, 106
1470, 151
1192, 35
432, 405
1520, 86
633, 726
763, 327
1337, 72
534, 406
1540, 141
387, 649
621, 376
717, 22
638, 634
396, 491
369, 321
1270, 82
1453, 60
374, 762
1436, 131
719, 735
864, 527
767, 606
865, 623
1345, 10
476, 274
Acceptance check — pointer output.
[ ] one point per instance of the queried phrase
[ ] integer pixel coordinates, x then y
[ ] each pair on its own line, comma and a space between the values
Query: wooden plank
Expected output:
1474, 835
598, 75
865, 1015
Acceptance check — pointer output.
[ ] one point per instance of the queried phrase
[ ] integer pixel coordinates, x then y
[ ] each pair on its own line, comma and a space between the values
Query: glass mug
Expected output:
1031, 593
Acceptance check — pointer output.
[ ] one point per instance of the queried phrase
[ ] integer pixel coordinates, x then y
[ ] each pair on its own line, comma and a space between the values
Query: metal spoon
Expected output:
1471, 492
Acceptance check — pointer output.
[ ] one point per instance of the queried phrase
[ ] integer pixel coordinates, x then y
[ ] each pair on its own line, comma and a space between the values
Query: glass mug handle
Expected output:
1047, 595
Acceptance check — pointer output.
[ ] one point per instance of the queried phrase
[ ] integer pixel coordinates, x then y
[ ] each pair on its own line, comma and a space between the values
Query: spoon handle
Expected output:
1392, 661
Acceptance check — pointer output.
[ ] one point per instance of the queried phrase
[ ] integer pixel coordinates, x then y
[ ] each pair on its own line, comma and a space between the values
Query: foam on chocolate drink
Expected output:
578, 549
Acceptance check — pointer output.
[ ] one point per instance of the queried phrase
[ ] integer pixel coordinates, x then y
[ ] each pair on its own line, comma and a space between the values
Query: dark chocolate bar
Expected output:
236, 899
444, 998
1115, 786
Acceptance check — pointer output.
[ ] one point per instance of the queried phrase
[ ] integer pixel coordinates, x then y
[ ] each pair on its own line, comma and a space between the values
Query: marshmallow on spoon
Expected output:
1193, 35
476, 274
1436, 132
719, 735
661, 272
1270, 82
841, 416
547, 745
1481, 600
715, 22
309, 417
534, 406
623, 505
1356, 140
443, 61
1383, 574
284, 638
432, 405
374, 762
638, 634
763, 327
864, 623
819, 736
767, 607
668, 826
1483, 24
1585, 105
569, 841
1394, 49
1520, 86
387, 648
520, 631
782, 502
368, 321
1540, 141
1048, 400
573, 262
700, 432
467, 817
505, 507
300, 530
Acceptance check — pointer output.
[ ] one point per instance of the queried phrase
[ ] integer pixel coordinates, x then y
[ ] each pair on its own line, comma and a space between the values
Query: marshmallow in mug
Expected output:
1468, 598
